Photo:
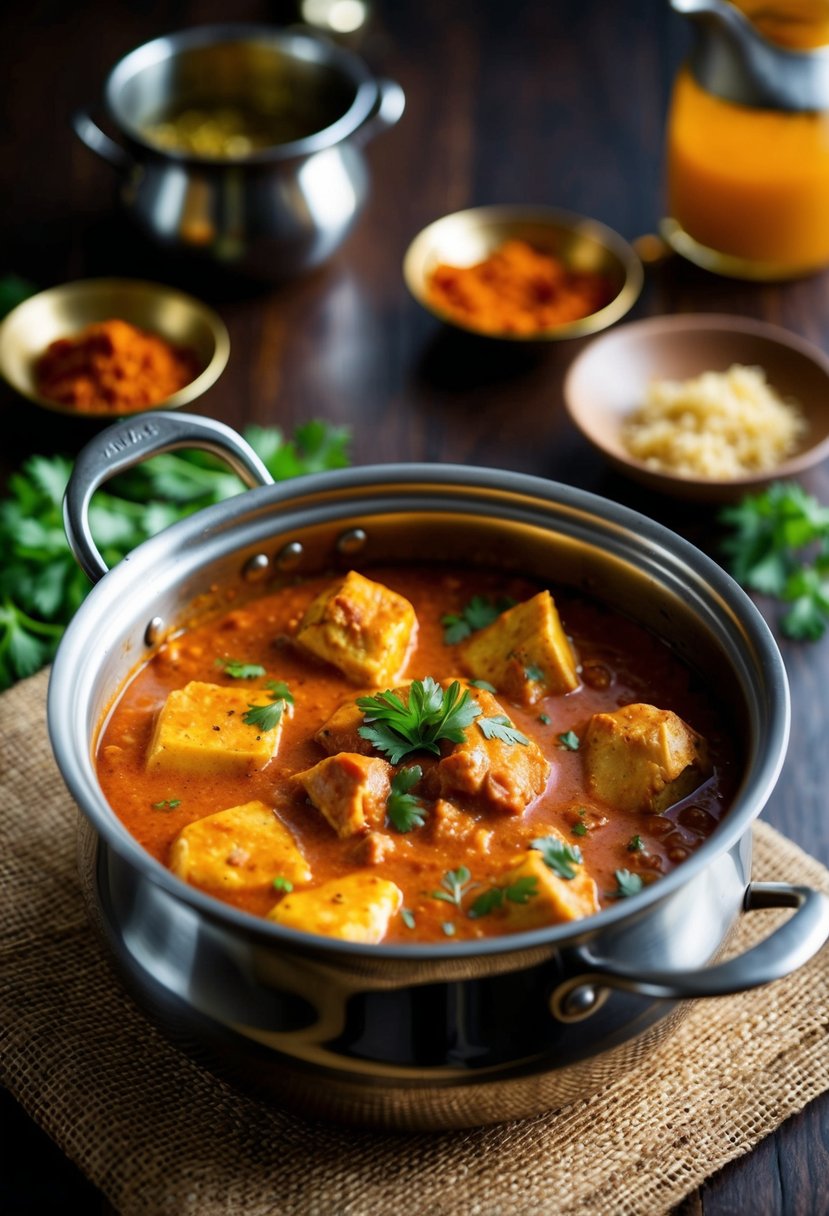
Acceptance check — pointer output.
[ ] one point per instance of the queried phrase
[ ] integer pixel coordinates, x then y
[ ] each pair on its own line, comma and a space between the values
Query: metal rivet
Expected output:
154, 630
255, 568
578, 1002
351, 541
290, 555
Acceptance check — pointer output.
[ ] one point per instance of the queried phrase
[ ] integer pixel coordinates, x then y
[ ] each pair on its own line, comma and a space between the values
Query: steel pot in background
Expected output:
419, 1036
271, 213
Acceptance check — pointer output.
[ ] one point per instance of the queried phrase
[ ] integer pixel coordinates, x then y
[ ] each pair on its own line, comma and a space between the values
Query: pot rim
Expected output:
704, 573
298, 44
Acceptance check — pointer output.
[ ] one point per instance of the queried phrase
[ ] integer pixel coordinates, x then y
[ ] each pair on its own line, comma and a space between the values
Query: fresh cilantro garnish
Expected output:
238, 670
282, 884
531, 672
484, 684
544, 719
569, 741
267, 717
397, 729
167, 804
635, 844
455, 884
518, 892
448, 928
501, 728
41, 584
627, 884
407, 916
579, 829
779, 545
558, 855
477, 614
403, 809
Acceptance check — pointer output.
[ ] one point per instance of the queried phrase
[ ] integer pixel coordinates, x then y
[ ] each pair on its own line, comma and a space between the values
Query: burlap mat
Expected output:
159, 1135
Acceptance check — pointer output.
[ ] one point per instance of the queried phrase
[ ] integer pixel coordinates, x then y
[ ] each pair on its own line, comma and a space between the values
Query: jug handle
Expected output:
89, 133
386, 111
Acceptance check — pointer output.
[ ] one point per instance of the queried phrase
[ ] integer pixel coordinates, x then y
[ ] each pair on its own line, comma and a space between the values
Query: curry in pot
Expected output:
421, 755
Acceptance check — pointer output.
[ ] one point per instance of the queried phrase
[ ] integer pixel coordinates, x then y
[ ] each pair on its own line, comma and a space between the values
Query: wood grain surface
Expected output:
530, 101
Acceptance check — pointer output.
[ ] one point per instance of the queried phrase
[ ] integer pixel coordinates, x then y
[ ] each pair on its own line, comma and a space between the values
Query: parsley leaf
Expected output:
397, 728
167, 804
778, 544
448, 928
501, 728
407, 916
282, 884
544, 719
484, 684
533, 673
569, 741
238, 670
455, 884
404, 810
519, 892
627, 884
579, 829
268, 717
635, 844
477, 614
558, 855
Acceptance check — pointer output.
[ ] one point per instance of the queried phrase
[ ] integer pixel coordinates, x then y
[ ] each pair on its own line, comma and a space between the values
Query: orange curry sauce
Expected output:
619, 662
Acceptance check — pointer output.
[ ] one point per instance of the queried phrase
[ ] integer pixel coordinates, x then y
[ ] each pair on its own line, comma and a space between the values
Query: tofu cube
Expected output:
201, 729
640, 758
556, 899
363, 628
350, 790
489, 773
524, 652
356, 908
240, 849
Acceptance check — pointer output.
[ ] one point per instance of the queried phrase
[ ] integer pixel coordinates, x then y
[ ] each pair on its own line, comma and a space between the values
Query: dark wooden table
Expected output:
561, 104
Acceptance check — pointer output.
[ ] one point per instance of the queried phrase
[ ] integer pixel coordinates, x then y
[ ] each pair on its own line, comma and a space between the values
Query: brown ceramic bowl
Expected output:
60, 312
610, 377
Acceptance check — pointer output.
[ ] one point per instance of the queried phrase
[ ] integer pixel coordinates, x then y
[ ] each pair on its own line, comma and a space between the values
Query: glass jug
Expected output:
748, 139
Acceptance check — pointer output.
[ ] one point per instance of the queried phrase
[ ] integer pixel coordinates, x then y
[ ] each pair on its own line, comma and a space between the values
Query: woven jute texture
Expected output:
158, 1134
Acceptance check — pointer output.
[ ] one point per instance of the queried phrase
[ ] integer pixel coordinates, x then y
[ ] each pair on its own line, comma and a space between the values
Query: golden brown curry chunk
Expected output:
340, 733
555, 899
239, 849
640, 758
350, 790
201, 729
524, 652
492, 774
357, 908
362, 627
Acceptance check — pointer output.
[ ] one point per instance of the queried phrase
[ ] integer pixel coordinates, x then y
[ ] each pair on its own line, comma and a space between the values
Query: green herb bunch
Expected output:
41, 585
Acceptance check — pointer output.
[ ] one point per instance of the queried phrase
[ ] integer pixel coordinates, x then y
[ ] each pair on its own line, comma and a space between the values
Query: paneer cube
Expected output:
525, 652
240, 849
363, 628
357, 908
201, 729
640, 758
491, 774
555, 899
350, 790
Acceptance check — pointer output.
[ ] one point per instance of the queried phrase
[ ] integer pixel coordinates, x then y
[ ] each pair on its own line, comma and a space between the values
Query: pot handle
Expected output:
783, 951
130, 442
386, 111
89, 133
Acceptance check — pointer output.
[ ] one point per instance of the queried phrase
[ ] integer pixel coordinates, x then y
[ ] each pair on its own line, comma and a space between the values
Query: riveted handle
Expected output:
128, 443
783, 951
386, 111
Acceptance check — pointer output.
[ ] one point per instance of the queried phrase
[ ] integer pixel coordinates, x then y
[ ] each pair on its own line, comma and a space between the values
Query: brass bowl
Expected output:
610, 377
466, 237
60, 312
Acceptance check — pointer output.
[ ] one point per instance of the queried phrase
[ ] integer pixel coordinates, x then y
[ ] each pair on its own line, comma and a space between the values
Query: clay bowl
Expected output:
610, 377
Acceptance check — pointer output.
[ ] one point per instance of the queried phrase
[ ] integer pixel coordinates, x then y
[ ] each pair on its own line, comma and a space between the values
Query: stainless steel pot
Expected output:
419, 1036
271, 213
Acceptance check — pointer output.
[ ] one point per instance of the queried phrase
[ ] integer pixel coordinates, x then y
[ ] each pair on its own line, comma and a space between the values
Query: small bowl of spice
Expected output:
703, 406
523, 273
109, 347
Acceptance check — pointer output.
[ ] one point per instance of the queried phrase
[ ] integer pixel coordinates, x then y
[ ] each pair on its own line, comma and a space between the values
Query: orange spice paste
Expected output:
517, 289
111, 367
